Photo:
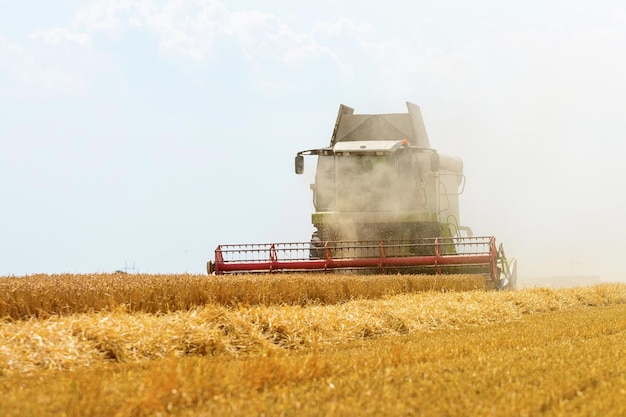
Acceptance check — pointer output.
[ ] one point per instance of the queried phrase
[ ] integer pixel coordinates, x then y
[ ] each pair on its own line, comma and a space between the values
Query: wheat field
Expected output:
44, 295
307, 345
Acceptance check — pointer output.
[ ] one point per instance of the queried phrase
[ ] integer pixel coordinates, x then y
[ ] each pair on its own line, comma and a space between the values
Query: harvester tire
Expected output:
316, 250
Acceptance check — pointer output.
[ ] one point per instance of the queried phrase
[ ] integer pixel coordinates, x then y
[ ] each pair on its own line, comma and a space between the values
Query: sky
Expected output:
139, 134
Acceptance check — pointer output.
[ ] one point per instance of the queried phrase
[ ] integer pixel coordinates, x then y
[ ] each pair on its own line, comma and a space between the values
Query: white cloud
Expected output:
38, 69
205, 32
107, 16
300, 54
59, 35
187, 28
345, 27
10, 55
278, 51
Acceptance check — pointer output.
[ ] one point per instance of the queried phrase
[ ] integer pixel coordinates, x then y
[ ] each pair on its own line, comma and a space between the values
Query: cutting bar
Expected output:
428, 255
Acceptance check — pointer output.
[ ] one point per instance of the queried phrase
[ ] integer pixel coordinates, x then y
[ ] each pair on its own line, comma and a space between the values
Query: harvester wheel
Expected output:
316, 250
210, 267
512, 274
508, 275
507, 271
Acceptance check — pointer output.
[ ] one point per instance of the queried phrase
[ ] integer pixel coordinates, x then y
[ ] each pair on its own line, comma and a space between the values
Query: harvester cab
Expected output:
380, 180
386, 202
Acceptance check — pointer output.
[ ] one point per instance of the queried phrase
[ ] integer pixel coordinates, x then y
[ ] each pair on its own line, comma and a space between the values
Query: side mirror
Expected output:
299, 164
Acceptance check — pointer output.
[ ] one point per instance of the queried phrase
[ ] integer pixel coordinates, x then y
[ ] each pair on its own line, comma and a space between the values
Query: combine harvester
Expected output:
385, 202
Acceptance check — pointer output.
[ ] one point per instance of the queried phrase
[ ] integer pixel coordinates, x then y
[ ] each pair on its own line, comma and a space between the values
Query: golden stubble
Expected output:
120, 335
